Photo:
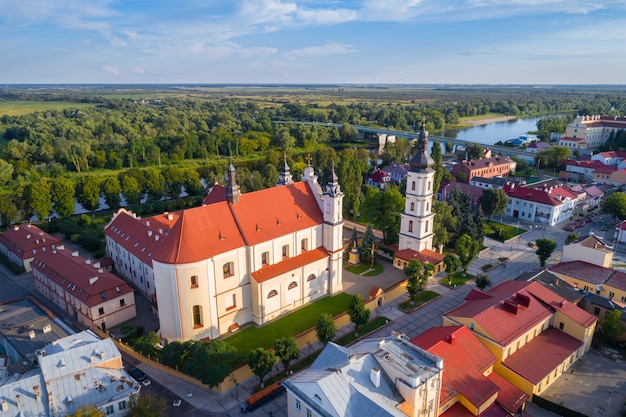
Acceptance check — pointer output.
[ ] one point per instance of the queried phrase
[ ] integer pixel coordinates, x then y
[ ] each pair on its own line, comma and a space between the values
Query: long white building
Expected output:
243, 258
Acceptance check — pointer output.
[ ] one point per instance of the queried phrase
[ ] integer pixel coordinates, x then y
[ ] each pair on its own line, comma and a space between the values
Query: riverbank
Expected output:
485, 121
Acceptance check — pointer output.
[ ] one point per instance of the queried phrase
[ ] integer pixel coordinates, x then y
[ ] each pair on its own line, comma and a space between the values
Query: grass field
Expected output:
17, 108
295, 323
501, 232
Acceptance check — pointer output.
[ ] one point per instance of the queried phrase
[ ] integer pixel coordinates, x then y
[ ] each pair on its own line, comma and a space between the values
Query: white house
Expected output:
544, 204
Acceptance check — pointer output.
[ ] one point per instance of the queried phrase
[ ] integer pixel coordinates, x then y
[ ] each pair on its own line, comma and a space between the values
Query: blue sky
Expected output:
313, 41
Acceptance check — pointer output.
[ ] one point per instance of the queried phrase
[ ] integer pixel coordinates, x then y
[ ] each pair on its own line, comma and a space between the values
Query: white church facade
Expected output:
243, 258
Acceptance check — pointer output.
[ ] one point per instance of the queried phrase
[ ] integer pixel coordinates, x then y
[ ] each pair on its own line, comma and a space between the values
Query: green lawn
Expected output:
420, 298
501, 232
378, 269
359, 269
292, 324
457, 279
363, 330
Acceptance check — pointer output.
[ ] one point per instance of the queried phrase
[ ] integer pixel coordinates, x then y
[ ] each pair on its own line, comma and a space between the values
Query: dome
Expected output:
422, 160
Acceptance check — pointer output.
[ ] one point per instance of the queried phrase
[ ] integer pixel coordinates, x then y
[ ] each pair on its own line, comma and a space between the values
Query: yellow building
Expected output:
595, 279
590, 249
535, 333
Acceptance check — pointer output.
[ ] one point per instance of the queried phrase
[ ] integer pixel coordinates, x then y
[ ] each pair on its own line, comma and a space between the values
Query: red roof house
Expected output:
21, 243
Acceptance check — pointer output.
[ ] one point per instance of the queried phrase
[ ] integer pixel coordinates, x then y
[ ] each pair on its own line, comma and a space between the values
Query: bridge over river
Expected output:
496, 149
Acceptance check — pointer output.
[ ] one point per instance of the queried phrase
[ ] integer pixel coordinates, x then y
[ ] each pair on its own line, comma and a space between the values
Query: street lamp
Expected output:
236, 389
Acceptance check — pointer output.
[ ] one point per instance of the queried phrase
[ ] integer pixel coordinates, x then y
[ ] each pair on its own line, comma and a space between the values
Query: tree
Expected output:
452, 263
449, 147
493, 201
131, 190
147, 405
63, 190
545, 247
287, 350
111, 189
6, 172
384, 209
366, 244
210, 362
413, 271
87, 411
570, 238
549, 158
8, 210
359, 315
466, 249
40, 198
483, 281
437, 156
261, 361
611, 326
444, 224
175, 353
615, 204
325, 328
88, 193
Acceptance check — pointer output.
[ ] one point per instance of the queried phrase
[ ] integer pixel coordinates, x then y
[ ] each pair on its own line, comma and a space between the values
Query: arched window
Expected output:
428, 185
229, 269
285, 251
413, 186
194, 281
293, 285
272, 293
197, 316
410, 226
412, 206
427, 207
310, 278
426, 226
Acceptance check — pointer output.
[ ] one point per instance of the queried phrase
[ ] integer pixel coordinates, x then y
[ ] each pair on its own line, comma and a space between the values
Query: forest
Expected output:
154, 144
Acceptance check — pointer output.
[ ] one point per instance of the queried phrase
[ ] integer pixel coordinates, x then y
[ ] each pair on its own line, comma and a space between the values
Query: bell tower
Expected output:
416, 224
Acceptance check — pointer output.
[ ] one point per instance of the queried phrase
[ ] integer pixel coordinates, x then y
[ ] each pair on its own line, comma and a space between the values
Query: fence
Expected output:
555, 408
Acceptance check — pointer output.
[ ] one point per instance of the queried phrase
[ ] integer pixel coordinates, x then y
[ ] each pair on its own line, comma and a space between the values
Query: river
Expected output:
491, 133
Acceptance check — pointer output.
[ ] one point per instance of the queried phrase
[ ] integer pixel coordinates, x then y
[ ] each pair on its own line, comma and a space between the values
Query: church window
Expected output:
413, 186
265, 258
194, 281
412, 206
427, 207
272, 293
310, 278
285, 251
233, 303
229, 269
304, 244
293, 285
428, 185
197, 316
426, 229
410, 226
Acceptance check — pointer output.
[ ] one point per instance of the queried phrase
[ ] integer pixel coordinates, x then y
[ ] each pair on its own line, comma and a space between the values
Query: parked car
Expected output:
137, 374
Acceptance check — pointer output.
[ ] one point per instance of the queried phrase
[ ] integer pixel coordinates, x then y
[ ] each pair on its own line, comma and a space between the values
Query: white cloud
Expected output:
112, 39
109, 69
329, 48
137, 70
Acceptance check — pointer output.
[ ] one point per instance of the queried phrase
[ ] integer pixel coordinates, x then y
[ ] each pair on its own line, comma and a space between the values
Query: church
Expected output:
239, 258
416, 224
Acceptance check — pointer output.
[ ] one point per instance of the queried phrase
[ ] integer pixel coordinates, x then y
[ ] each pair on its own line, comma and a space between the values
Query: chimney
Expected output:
450, 338
375, 377
92, 280
75, 254
170, 216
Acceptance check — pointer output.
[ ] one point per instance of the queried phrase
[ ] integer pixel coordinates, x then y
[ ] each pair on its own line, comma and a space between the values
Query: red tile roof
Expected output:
379, 177
561, 305
612, 154
542, 355
425, 255
458, 410
509, 396
569, 139
217, 194
278, 211
93, 284
289, 264
507, 313
199, 233
552, 196
22, 240
465, 360
593, 274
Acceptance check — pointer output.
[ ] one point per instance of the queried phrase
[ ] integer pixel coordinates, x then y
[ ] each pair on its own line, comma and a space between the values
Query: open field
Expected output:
16, 108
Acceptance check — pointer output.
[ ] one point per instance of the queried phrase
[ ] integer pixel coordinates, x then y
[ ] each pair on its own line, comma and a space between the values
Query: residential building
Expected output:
591, 194
594, 130
603, 281
469, 383
378, 179
591, 249
397, 172
555, 284
416, 222
541, 204
535, 333
83, 289
536, 147
447, 187
376, 377
610, 175
498, 166
614, 158
21, 243
244, 258
620, 233
76, 371
580, 170
574, 144
493, 182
